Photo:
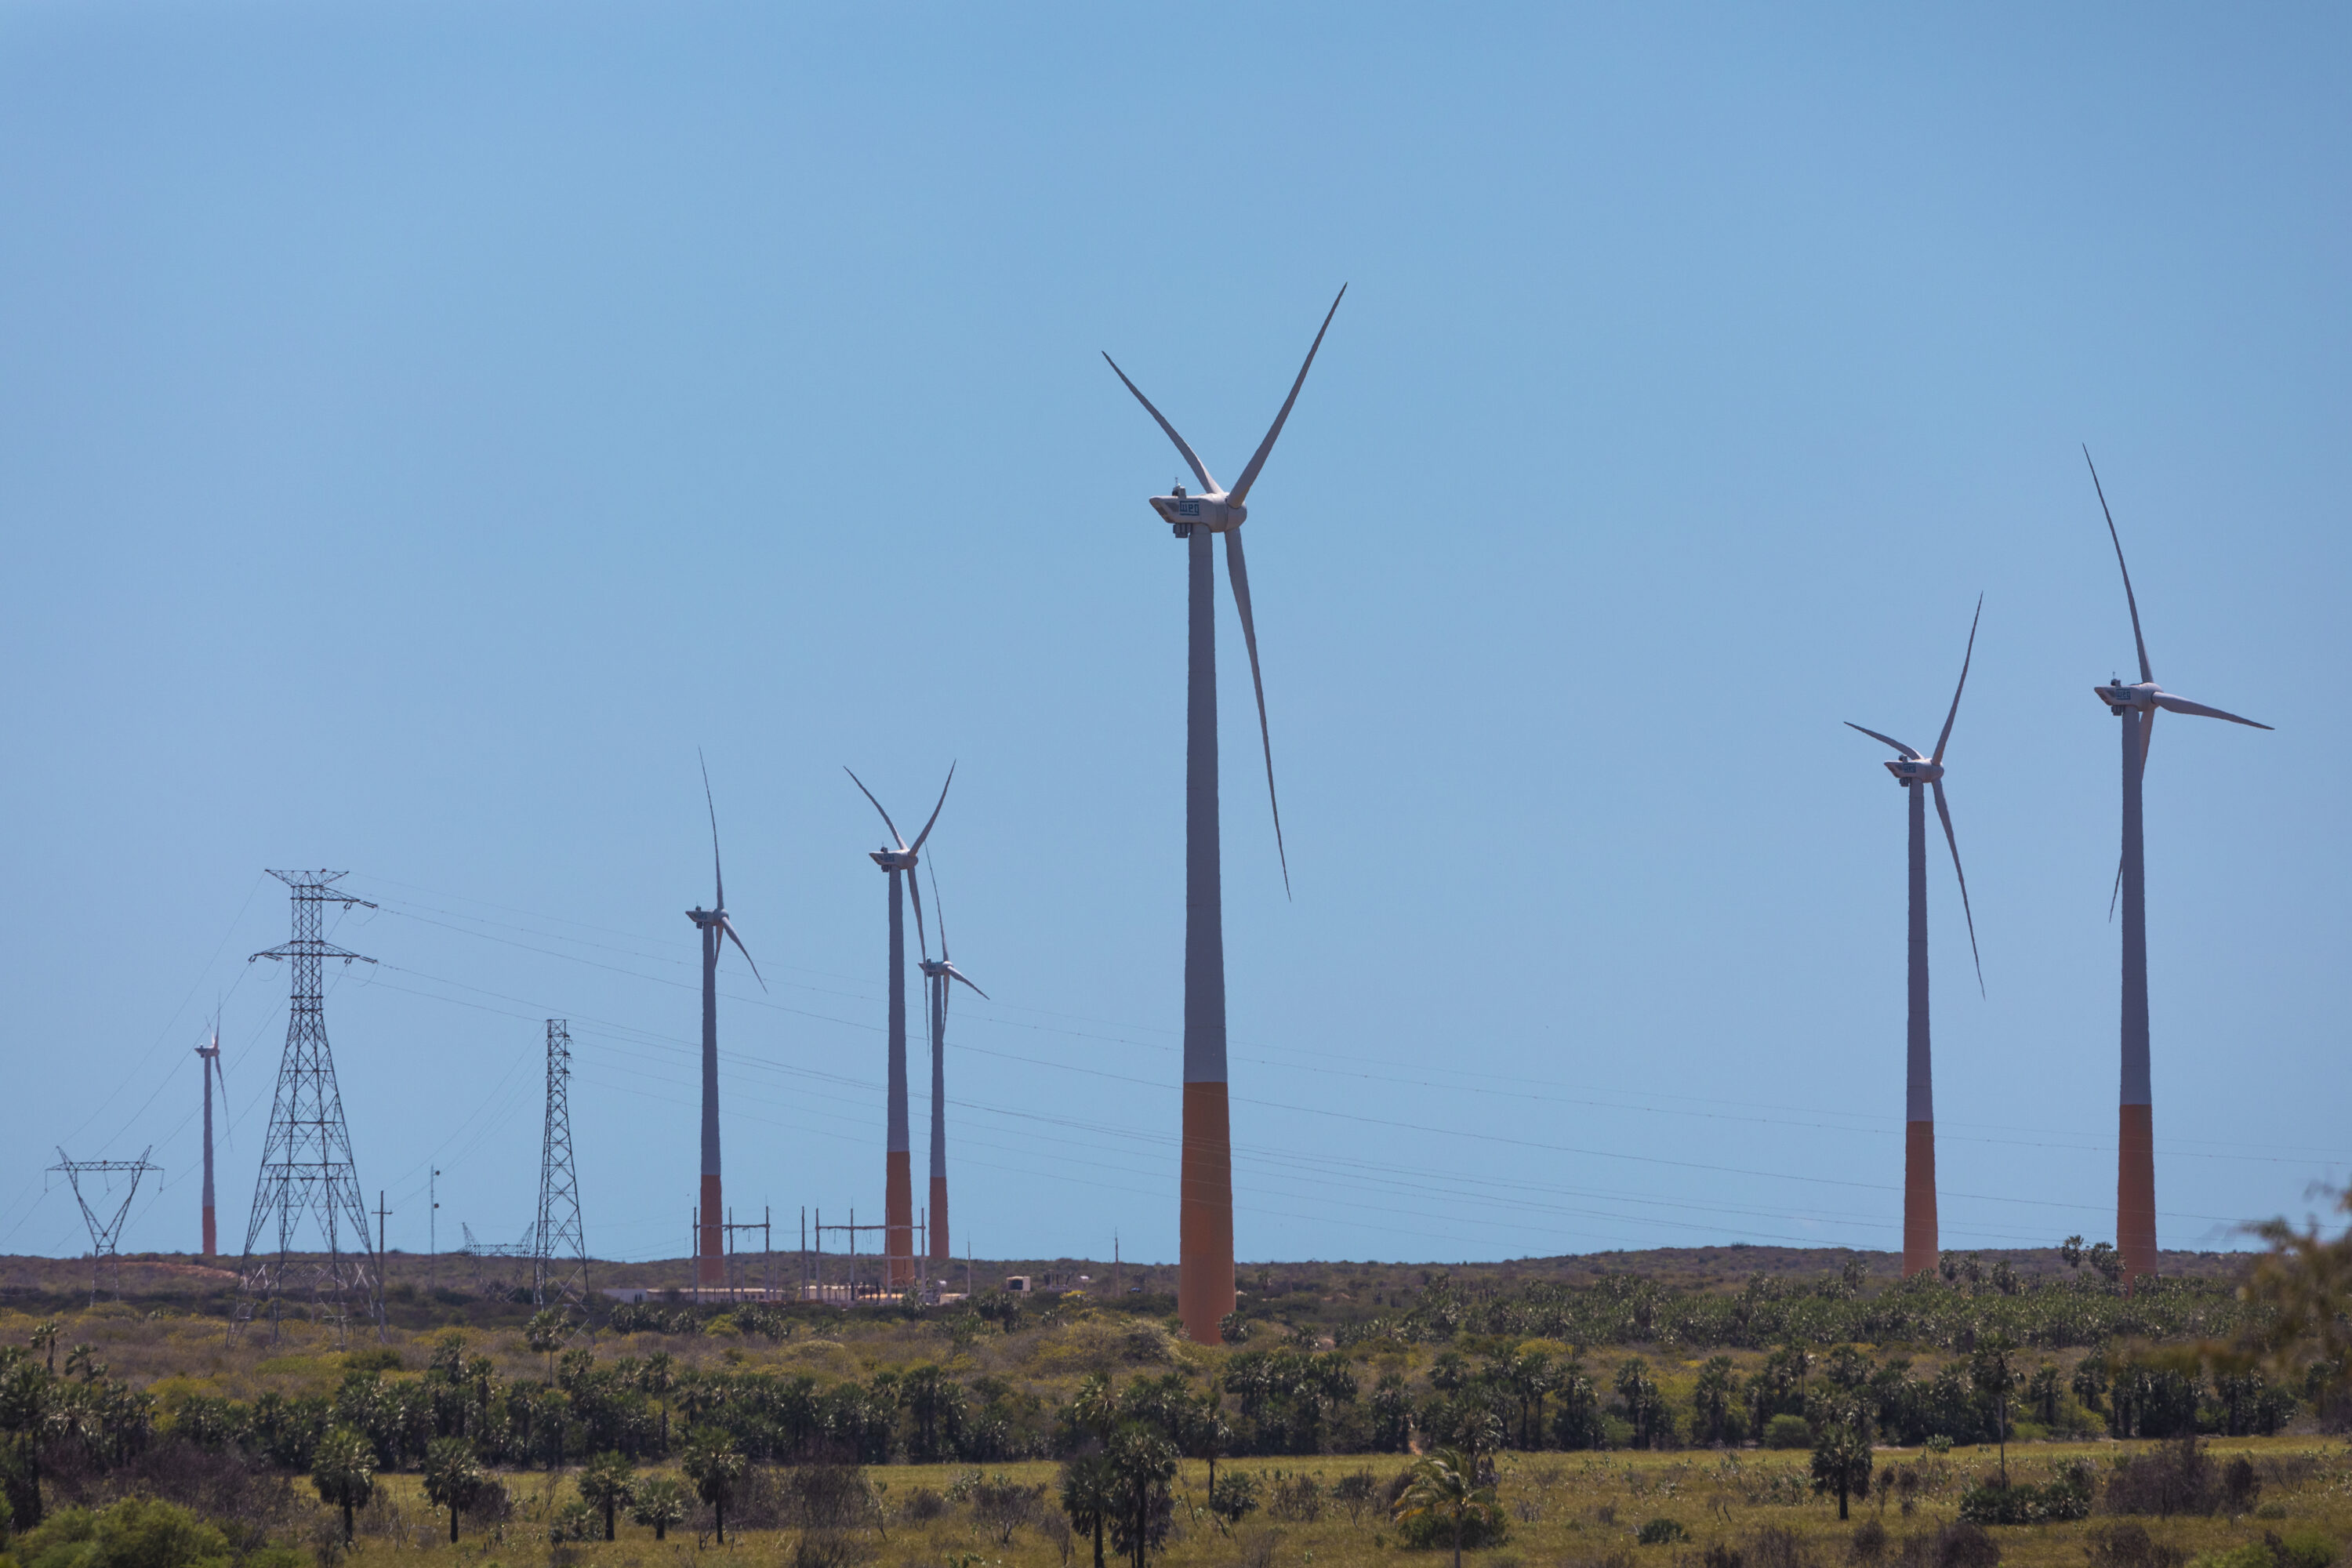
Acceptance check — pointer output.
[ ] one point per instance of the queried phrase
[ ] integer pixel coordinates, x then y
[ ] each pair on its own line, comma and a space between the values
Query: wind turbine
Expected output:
896, 860
1919, 774
710, 1263
2136, 706
208, 1067
939, 975
1205, 1204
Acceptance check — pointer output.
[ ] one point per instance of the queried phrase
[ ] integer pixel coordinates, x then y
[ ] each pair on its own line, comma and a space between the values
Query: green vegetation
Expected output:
2024, 1412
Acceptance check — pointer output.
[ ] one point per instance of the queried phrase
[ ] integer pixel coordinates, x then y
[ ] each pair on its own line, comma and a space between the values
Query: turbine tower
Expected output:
899, 858
1917, 775
710, 1262
2136, 706
1205, 1289
208, 1067
939, 975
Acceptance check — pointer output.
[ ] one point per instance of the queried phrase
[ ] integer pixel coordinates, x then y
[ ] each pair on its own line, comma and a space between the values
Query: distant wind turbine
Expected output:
710, 1262
898, 860
2136, 706
208, 1067
1204, 1291
940, 976
1919, 775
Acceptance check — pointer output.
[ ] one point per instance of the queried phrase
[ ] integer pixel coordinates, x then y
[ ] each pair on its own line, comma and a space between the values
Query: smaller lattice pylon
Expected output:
105, 1259
560, 1271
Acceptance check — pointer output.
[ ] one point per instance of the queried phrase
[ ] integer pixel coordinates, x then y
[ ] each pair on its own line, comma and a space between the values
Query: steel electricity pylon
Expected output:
306, 1163
105, 1260
560, 1271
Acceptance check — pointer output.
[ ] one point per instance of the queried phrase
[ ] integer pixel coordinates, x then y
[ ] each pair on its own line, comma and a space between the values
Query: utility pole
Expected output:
382, 1213
433, 1234
307, 1167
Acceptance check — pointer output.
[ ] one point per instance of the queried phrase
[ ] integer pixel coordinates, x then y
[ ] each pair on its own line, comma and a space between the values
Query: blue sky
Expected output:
423, 427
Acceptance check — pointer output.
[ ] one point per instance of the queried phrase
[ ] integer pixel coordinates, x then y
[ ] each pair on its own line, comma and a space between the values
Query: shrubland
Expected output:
1964, 1418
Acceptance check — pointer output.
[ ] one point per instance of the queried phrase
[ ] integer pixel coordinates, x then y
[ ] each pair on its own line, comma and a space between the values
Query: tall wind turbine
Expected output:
1204, 1291
1919, 774
940, 976
897, 860
2136, 706
208, 1067
709, 1261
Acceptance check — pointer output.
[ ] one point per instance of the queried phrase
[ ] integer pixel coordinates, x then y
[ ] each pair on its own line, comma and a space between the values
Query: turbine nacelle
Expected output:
1910, 771
2118, 696
893, 859
1186, 512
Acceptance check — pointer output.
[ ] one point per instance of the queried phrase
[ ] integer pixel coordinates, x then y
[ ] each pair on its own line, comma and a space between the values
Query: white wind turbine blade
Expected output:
717, 876
1963, 685
1946, 813
1200, 470
2145, 673
940, 911
869, 793
1249, 475
727, 929
227, 1133
926, 833
2171, 704
957, 975
1239, 572
1900, 749
923, 944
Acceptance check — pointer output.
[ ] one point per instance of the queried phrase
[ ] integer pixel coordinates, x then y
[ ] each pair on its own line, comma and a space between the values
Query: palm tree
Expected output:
44, 1338
1639, 1390
1089, 1496
28, 1399
656, 1380
453, 1478
1094, 1409
659, 1502
1996, 1377
1842, 1461
1714, 1399
713, 1463
605, 1482
1205, 1433
344, 1469
1144, 1463
1444, 1485
1532, 1377
545, 1334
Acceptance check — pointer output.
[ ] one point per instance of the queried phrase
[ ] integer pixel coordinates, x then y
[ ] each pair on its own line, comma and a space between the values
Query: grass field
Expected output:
1566, 1509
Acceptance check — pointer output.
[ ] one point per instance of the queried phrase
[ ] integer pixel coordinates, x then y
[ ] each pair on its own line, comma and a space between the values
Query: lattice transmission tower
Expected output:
306, 1163
105, 1234
562, 1274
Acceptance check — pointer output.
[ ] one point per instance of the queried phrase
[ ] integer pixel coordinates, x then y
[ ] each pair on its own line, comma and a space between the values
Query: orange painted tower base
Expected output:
1206, 1221
2135, 1192
710, 1242
899, 1220
1920, 1249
